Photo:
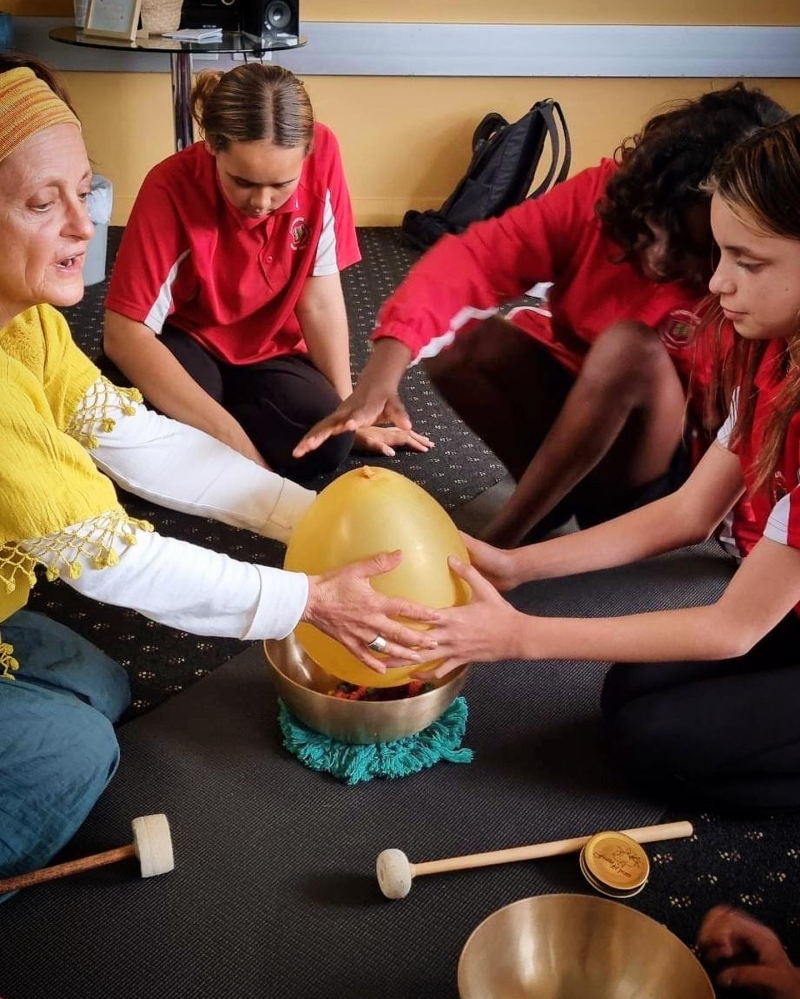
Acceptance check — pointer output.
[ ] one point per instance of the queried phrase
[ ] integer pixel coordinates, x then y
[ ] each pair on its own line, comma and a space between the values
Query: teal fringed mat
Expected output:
399, 758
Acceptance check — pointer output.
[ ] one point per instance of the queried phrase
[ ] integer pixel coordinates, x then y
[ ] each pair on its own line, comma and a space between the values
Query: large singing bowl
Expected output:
577, 947
304, 688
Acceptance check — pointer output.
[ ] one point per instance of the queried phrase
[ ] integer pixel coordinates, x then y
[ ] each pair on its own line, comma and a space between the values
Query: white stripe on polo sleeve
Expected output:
326, 261
725, 431
162, 306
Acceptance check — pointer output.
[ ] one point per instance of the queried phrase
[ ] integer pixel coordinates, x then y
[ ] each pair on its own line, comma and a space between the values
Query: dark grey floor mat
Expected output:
274, 895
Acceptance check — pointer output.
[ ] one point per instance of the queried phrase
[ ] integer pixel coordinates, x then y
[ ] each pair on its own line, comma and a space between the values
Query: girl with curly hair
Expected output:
582, 402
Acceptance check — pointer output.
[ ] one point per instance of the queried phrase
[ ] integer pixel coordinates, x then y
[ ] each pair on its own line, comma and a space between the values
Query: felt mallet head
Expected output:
152, 846
152, 842
394, 873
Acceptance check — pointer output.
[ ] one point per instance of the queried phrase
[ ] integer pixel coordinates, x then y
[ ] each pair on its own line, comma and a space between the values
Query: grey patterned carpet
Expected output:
750, 861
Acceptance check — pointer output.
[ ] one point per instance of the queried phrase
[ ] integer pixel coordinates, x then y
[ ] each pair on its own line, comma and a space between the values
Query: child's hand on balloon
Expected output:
495, 564
344, 605
485, 629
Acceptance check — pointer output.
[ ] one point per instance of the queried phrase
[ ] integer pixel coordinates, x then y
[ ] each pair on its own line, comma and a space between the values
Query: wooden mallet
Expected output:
396, 872
152, 845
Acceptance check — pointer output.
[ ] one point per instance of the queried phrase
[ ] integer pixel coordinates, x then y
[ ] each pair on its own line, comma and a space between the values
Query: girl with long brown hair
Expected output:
707, 696
225, 306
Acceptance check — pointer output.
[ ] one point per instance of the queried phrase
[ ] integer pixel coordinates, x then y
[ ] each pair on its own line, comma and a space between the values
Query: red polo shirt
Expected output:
758, 514
189, 258
554, 238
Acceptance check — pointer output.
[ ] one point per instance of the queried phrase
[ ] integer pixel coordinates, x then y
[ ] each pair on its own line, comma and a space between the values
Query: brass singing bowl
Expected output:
577, 947
304, 688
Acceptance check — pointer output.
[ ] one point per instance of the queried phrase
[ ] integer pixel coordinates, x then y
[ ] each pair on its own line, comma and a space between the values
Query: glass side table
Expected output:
180, 56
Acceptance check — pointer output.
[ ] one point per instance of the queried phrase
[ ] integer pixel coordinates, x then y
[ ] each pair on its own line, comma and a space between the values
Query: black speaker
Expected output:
225, 14
271, 20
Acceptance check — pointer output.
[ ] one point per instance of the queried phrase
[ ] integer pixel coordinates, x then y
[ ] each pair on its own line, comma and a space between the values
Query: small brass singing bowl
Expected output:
305, 688
577, 947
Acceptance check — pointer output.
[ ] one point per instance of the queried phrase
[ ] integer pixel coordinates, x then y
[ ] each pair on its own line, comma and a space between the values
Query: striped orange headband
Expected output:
27, 105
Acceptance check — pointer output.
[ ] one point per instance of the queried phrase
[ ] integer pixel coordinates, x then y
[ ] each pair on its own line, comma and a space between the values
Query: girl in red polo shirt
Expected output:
225, 306
585, 406
706, 695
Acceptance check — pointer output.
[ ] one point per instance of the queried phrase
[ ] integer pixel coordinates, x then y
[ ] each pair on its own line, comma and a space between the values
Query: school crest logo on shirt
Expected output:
679, 328
299, 231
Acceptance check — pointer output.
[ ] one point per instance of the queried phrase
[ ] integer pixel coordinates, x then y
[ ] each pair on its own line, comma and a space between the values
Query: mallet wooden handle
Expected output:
71, 867
644, 834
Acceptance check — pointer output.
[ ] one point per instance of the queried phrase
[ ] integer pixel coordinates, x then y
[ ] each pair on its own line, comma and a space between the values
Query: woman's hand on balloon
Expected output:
344, 605
495, 564
383, 440
485, 629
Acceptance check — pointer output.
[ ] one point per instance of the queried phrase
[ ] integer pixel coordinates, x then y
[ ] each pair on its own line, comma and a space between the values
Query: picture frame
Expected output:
113, 19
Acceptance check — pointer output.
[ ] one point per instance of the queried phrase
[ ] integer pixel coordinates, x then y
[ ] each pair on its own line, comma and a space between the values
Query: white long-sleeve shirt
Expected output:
170, 581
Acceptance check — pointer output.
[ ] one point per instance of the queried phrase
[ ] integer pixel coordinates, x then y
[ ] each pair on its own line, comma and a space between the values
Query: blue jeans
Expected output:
58, 750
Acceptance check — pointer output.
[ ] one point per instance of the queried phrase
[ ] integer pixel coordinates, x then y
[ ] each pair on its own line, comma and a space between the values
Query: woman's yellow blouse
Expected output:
47, 479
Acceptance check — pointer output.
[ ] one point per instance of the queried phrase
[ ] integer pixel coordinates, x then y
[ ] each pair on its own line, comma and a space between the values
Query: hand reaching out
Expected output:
495, 564
750, 954
383, 440
367, 406
483, 630
375, 399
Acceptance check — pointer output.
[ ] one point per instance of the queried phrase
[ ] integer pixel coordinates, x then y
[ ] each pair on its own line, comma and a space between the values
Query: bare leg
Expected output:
618, 429
505, 386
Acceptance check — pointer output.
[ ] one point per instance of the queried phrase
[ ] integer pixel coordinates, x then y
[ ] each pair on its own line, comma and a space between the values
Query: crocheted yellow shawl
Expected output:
48, 481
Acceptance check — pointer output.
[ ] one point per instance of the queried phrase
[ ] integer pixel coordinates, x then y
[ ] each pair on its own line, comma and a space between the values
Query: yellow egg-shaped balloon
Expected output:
361, 514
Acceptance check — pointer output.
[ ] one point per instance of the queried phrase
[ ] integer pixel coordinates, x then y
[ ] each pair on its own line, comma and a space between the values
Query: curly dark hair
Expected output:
662, 170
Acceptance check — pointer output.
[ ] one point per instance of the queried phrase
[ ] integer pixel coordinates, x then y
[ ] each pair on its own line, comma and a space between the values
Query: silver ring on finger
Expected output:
378, 644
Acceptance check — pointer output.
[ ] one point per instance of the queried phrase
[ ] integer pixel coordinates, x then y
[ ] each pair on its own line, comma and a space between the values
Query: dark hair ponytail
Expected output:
253, 102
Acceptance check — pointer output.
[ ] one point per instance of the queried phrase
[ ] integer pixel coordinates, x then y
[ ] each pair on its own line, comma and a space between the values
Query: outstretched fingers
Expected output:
334, 424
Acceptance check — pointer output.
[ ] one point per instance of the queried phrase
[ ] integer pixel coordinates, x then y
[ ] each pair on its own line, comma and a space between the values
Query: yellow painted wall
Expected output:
406, 140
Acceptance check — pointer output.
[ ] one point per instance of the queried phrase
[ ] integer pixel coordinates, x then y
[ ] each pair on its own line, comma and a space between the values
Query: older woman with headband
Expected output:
65, 433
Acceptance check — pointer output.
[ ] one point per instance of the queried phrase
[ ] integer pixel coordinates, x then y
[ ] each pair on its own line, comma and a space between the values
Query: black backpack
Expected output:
504, 160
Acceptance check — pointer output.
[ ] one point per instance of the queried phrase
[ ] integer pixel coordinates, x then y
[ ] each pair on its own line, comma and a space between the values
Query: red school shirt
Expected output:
554, 238
190, 259
758, 514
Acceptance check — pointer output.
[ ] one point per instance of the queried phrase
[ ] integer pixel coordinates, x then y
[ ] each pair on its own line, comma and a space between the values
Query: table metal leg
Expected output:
181, 66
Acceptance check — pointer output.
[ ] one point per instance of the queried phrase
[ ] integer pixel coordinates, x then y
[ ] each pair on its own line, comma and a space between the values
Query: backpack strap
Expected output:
547, 110
486, 127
